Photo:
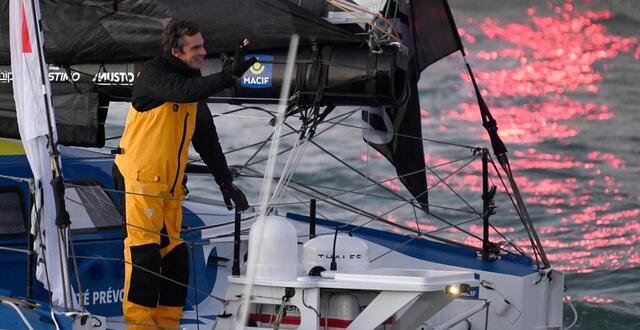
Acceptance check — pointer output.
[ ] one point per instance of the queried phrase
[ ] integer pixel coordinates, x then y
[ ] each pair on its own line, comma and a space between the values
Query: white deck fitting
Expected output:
421, 292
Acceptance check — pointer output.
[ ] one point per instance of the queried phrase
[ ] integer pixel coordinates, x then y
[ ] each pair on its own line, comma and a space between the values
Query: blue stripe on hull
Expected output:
436, 252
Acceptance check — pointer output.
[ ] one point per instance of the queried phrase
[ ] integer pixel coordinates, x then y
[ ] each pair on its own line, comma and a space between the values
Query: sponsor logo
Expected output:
260, 74
60, 75
6, 77
340, 256
474, 293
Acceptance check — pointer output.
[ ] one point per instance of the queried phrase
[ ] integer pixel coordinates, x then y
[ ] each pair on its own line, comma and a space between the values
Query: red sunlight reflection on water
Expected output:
537, 122
552, 54
550, 58
531, 88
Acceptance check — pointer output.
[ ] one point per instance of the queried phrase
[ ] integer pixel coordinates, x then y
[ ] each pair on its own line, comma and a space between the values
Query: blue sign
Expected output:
260, 74
474, 293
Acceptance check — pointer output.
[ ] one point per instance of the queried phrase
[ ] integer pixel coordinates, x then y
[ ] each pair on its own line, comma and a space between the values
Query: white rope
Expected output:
575, 315
24, 319
55, 322
265, 190
287, 173
16, 178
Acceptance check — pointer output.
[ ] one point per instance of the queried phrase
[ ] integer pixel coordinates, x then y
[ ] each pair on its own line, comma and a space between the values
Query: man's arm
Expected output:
158, 83
205, 141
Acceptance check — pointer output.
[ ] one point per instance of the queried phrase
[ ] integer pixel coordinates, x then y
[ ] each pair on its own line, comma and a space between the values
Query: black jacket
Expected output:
167, 79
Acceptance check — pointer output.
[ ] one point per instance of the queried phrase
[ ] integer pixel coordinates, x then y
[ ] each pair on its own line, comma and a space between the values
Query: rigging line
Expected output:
294, 131
236, 98
410, 136
417, 223
343, 4
367, 172
156, 196
139, 227
102, 156
289, 169
272, 112
495, 229
415, 215
159, 275
463, 222
504, 185
289, 148
450, 188
64, 257
377, 183
417, 237
527, 218
15, 178
347, 114
353, 191
347, 207
460, 229
41, 245
242, 116
72, 185
433, 215
262, 145
200, 228
187, 212
6, 248
305, 203
75, 268
113, 138
195, 284
395, 248
354, 169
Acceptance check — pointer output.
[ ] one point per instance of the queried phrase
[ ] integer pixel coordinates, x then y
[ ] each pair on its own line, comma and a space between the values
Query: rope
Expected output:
24, 319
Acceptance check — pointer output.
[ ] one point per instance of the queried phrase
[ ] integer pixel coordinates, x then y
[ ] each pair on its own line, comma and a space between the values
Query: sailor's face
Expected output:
193, 51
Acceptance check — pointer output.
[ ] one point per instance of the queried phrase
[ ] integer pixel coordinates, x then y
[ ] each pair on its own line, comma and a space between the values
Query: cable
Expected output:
575, 315
195, 285
24, 319
309, 306
334, 266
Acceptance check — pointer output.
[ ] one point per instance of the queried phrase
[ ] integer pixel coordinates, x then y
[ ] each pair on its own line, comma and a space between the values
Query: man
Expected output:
168, 110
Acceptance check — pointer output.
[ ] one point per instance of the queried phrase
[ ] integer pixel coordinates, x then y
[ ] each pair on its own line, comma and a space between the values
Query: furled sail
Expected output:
38, 137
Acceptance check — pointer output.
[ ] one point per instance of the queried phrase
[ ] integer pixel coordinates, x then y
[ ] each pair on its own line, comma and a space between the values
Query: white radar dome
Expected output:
352, 253
273, 245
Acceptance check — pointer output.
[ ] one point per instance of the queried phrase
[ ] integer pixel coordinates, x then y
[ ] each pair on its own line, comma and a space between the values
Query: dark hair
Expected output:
174, 31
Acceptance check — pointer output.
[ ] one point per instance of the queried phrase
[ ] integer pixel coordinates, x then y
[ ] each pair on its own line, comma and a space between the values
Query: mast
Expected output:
34, 110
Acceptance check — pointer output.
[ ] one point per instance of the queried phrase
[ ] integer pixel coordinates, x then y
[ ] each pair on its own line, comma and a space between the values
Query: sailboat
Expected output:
325, 270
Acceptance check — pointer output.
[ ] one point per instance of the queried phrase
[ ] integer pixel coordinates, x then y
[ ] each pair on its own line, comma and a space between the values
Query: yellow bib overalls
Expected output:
154, 149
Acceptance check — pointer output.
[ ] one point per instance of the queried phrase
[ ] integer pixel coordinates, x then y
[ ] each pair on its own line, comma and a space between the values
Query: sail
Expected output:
429, 33
434, 31
33, 123
124, 31
396, 133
